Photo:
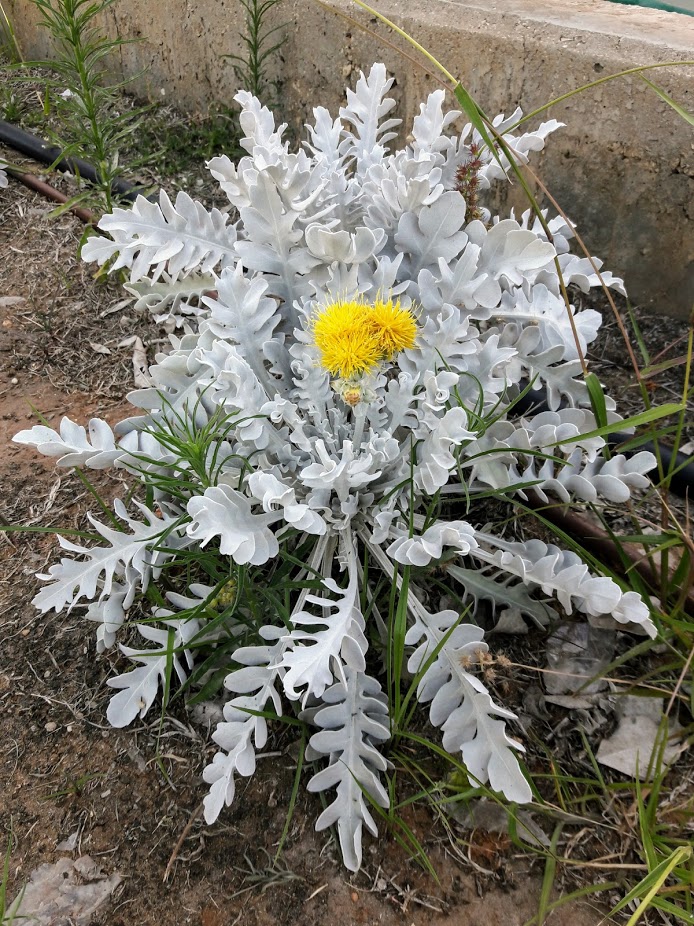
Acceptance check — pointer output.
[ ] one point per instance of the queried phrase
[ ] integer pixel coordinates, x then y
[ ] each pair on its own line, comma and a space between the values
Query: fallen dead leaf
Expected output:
140, 365
69, 844
577, 654
56, 893
99, 348
483, 814
631, 746
118, 307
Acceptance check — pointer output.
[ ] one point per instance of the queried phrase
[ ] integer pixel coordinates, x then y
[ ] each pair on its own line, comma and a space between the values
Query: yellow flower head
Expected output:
353, 337
394, 326
344, 338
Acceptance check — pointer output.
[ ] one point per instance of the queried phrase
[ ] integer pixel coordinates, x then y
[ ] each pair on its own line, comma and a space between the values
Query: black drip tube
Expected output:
681, 481
33, 147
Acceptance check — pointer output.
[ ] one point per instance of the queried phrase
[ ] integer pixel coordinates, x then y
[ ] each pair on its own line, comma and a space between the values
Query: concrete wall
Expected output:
623, 169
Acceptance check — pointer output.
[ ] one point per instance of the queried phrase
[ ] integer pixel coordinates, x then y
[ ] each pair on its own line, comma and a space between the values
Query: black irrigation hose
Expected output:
681, 482
33, 147
45, 189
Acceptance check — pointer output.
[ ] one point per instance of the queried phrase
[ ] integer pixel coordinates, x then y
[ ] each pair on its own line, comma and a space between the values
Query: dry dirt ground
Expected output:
127, 797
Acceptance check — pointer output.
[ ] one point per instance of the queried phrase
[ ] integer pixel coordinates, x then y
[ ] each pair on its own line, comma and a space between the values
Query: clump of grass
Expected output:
170, 143
12, 109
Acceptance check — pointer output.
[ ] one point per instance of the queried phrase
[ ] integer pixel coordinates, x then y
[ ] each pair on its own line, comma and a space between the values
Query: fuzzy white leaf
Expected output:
434, 458
242, 732
420, 551
508, 252
434, 234
496, 587
171, 300
242, 313
317, 655
562, 573
72, 446
258, 123
366, 107
225, 513
177, 237
71, 579
461, 705
273, 244
109, 612
236, 387
140, 686
273, 495
354, 718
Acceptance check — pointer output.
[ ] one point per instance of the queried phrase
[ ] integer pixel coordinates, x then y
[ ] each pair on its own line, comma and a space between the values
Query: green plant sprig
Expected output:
93, 124
251, 67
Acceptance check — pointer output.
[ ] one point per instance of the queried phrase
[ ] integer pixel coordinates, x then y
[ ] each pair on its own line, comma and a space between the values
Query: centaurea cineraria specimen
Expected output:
285, 459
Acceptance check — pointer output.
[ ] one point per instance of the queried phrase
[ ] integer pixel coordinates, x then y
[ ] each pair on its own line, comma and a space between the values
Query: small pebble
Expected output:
14, 381
51, 726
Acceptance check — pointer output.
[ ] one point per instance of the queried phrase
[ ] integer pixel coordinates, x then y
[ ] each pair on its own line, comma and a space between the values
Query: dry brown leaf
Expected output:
631, 746
56, 893
99, 348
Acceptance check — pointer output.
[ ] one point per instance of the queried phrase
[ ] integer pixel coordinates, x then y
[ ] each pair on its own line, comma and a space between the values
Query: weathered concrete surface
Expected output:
623, 168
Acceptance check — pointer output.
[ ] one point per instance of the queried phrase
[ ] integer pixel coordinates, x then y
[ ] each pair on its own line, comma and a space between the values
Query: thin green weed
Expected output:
9, 43
93, 123
250, 67
9, 913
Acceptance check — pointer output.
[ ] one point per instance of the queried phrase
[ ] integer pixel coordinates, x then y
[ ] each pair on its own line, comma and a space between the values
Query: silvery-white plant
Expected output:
369, 473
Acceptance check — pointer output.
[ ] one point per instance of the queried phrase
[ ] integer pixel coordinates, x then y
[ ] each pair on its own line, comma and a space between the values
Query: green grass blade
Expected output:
597, 83
597, 399
635, 421
477, 117
293, 795
669, 100
575, 895
548, 876
664, 870
651, 884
